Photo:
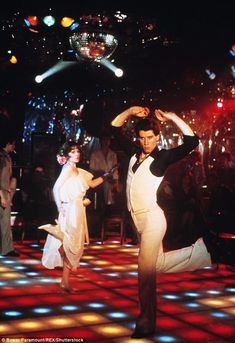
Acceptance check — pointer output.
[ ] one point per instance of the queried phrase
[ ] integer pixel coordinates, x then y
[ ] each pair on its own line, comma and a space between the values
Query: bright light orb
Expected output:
38, 78
119, 72
66, 21
49, 20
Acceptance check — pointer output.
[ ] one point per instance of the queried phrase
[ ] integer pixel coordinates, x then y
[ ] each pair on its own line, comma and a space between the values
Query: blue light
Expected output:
27, 22
167, 339
32, 273
47, 280
117, 315
22, 282
19, 267
219, 315
9, 262
74, 26
232, 52
230, 289
3, 284
132, 273
96, 305
170, 296
13, 313
41, 310
192, 305
190, 294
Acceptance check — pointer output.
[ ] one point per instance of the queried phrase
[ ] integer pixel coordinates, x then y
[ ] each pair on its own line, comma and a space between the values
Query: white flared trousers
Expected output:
151, 228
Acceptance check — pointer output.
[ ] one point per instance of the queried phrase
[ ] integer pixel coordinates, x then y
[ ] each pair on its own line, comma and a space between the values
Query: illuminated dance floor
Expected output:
192, 307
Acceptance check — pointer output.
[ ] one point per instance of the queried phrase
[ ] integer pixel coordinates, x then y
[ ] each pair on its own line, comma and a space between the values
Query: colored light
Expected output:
49, 20
13, 59
96, 305
74, 26
13, 313
69, 308
41, 310
33, 20
66, 21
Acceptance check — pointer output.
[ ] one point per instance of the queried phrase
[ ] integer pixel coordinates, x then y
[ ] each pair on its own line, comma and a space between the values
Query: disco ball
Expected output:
93, 45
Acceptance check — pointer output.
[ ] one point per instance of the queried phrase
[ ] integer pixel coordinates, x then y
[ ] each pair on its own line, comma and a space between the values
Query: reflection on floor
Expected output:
192, 307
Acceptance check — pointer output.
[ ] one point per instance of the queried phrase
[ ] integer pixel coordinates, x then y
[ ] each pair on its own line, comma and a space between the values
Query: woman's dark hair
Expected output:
66, 148
147, 124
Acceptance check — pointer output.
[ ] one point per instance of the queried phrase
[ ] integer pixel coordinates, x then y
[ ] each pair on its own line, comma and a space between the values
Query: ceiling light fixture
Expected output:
93, 45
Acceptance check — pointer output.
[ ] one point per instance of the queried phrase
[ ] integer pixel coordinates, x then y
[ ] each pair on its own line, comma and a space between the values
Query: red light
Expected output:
33, 20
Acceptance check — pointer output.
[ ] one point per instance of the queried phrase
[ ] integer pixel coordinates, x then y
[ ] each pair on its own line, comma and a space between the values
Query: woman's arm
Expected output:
95, 182
99, 180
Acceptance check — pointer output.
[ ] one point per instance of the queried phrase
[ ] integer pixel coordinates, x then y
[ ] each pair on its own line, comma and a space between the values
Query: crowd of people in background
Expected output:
192, 198
205, 195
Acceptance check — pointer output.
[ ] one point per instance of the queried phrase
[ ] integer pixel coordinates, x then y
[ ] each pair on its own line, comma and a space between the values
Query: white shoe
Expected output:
53, 230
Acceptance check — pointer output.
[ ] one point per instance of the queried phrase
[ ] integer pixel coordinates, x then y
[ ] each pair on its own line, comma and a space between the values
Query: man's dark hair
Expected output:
147, 124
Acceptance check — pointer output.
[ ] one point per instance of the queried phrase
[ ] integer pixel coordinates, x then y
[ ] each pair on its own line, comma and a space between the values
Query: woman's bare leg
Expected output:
65, 277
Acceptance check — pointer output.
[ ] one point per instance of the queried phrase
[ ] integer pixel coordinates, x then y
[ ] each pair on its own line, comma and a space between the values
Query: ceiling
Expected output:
161, 47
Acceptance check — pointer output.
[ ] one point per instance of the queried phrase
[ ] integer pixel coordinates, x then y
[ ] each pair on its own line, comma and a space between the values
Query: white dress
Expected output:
70, 188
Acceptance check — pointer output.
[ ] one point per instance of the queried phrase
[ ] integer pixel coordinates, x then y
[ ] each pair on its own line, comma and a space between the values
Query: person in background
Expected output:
101, 161
65, 243
7, 191
146, 170
105, 197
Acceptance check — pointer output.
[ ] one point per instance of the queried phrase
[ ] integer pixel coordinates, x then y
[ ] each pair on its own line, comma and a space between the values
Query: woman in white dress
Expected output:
65, 243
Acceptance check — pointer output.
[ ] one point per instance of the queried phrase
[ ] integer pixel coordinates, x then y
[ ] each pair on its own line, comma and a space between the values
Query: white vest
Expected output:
142, 186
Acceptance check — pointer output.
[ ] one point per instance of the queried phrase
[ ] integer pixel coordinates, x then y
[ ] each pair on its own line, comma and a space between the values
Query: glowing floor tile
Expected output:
4, 269
61, 321
111, 330
132, 266
119, 268
96, 247
88, 257
229, 298
131, 250
12, 275
100, 263
7, 329
91, 318
27, 325
217, 302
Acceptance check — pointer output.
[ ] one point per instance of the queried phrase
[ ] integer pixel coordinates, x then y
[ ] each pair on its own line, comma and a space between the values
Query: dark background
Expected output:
198, 36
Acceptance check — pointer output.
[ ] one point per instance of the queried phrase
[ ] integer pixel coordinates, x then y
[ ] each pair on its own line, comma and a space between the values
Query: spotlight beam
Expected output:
61, 65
